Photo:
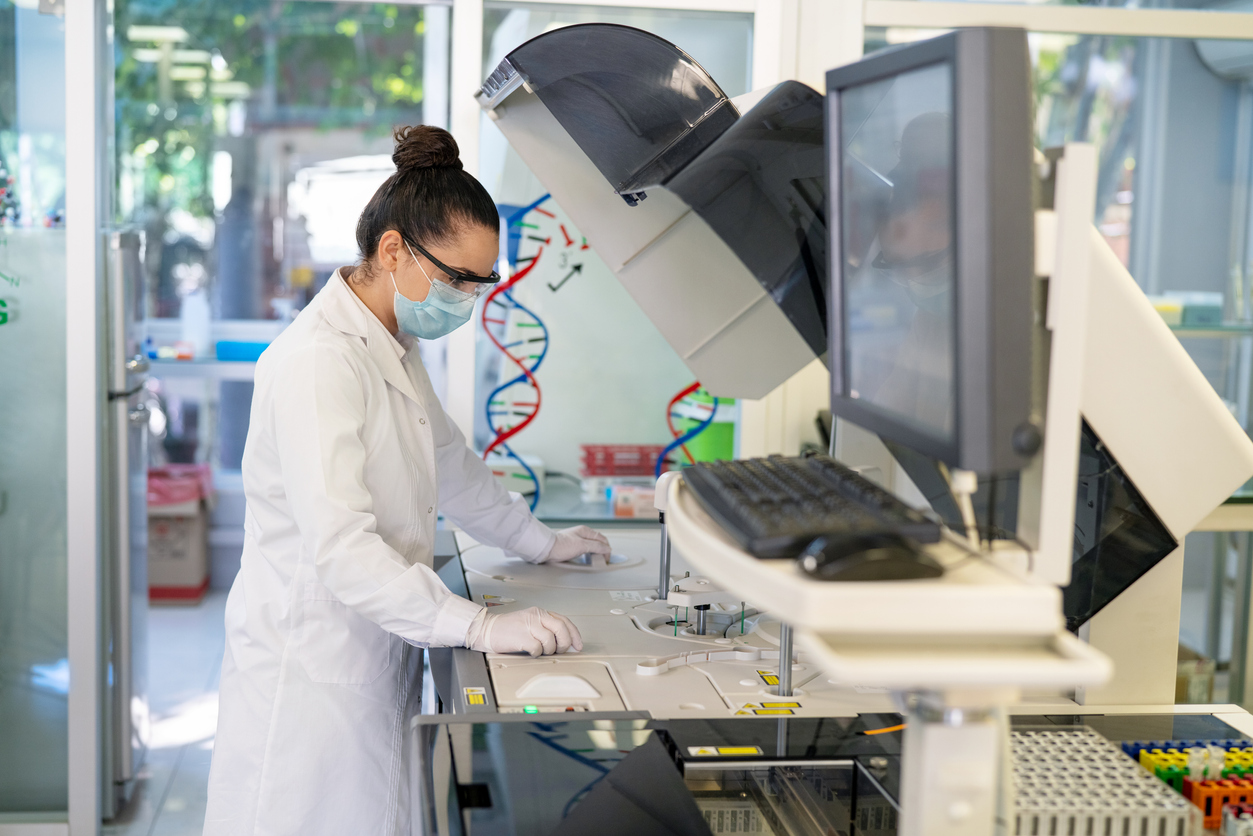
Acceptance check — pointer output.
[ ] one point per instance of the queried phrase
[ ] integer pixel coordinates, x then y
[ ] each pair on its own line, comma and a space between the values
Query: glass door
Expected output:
34, 671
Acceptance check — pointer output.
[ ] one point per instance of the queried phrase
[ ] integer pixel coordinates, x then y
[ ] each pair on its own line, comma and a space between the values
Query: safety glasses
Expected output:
461, 282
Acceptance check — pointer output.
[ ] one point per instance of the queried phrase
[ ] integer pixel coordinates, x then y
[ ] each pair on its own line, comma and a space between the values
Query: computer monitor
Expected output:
929, 151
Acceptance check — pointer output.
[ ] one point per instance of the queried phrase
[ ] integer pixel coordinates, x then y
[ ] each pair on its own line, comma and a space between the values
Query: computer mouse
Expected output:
867, 557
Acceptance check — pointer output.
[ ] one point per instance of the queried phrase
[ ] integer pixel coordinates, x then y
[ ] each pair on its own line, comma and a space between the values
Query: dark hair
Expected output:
429, 198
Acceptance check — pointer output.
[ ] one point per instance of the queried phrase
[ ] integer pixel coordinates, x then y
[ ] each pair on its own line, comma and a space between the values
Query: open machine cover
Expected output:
713, 221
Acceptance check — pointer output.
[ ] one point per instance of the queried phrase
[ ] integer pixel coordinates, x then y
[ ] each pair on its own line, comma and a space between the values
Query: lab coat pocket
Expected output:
336, 645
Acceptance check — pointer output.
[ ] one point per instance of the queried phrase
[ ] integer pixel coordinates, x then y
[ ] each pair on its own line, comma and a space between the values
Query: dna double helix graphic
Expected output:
682, 438
522, 337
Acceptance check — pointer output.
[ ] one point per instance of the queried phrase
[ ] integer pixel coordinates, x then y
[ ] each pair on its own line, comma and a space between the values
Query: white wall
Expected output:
608, 374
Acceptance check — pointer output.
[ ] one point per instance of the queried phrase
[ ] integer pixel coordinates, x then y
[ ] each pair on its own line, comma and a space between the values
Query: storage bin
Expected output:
178, 543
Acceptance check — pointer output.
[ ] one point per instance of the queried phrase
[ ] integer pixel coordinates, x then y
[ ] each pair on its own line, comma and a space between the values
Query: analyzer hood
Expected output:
713, 220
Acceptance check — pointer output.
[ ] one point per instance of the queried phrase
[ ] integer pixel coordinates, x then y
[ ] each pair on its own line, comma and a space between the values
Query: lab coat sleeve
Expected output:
319, 414
474, 499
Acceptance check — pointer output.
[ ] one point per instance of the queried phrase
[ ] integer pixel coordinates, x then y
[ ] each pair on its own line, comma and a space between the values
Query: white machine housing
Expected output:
685, 276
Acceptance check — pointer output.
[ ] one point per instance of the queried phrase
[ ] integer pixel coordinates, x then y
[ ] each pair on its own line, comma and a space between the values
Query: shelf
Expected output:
239, 370
561, 504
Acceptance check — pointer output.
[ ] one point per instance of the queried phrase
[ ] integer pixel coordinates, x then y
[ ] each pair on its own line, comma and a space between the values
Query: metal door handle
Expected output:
137, 364
138, 415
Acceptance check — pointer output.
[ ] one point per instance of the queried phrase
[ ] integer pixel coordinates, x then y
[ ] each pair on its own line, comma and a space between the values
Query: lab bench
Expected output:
602, 745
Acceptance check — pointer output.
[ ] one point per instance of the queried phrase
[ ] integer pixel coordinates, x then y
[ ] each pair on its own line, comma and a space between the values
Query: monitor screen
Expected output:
898, 235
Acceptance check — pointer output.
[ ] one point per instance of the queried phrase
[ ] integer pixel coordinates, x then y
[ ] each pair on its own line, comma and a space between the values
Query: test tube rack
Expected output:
1212, 774
1212, 763
1237, 820
1212, 797
1133, 747
1078, 782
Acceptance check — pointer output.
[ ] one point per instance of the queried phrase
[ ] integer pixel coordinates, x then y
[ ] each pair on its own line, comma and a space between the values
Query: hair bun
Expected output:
424, 146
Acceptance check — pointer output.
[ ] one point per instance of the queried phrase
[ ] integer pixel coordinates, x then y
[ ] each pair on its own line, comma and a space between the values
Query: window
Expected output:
249, 138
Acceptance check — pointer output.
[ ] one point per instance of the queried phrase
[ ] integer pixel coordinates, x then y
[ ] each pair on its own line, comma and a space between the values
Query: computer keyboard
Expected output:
775, 506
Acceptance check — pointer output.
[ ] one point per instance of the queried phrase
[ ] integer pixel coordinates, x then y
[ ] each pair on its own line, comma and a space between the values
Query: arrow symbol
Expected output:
569, 240
578, 268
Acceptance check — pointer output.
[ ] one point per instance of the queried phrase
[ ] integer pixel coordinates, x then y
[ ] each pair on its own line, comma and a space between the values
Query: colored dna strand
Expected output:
513, 404
681, 439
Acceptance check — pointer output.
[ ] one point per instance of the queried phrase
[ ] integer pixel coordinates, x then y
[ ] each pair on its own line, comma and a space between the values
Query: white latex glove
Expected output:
533, 630
572, 542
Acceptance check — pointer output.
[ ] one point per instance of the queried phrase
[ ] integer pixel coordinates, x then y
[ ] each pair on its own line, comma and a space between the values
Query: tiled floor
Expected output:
185, 657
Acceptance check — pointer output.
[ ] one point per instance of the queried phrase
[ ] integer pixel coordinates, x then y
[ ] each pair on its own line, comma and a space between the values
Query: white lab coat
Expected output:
348, 455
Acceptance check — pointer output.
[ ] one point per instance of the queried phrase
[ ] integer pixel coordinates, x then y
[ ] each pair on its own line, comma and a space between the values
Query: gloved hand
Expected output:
533, 630
572, 542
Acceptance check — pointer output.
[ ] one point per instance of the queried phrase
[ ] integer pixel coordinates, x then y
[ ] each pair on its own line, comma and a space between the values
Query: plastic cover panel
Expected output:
762, 187
1118, 537
637, 105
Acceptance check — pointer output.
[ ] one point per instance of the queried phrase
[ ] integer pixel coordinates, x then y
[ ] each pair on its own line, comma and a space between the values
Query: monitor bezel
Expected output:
941, 50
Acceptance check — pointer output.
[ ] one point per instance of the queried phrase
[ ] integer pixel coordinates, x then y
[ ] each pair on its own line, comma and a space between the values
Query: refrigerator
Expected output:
125, 713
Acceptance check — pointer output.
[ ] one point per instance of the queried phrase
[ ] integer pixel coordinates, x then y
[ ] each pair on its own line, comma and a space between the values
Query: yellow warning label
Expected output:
743, 712
475, 696
768, 677
760, 711
750, 705
780, 705
722, 751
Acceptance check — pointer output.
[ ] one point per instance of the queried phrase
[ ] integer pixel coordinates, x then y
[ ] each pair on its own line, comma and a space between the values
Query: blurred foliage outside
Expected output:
306, 64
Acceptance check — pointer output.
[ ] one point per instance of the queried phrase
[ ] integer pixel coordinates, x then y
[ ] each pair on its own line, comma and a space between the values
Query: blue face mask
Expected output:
444, 310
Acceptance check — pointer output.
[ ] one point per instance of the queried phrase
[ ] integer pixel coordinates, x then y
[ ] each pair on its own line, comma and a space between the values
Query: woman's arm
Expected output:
474, 499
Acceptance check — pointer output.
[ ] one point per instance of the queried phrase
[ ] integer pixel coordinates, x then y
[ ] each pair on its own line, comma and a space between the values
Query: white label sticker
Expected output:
626, 595
867, 689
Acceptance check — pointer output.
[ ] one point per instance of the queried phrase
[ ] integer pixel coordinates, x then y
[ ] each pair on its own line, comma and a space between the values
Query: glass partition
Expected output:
1172, 120
249, 138
34, 670
605, 376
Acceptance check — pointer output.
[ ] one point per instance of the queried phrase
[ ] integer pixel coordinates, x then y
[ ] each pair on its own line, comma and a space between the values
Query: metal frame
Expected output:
1078, 20
676, 5
87, 98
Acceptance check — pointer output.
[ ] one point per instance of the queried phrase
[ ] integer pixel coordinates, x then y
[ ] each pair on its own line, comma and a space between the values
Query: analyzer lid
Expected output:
636, 104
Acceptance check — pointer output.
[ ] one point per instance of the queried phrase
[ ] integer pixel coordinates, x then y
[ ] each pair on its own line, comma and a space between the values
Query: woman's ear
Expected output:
390, 247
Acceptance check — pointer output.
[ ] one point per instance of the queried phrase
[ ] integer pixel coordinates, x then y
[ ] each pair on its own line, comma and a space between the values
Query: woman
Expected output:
348, 455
